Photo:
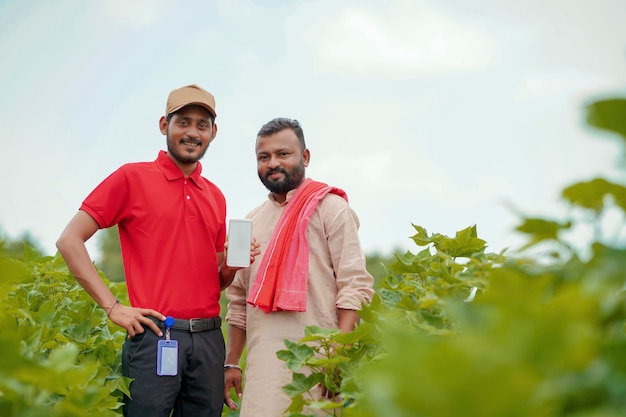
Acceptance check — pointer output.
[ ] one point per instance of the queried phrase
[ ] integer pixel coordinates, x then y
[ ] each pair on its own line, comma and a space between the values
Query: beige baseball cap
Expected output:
187, 95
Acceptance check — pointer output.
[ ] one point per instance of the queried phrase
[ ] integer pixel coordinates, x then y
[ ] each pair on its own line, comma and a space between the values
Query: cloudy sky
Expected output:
442, 113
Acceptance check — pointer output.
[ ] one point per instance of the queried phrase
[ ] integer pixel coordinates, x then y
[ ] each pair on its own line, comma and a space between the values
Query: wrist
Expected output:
232, 365
227, 272
226, 275
110, 309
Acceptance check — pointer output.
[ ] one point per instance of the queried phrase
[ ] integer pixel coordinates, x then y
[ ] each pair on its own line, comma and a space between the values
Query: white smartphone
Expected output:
239, 239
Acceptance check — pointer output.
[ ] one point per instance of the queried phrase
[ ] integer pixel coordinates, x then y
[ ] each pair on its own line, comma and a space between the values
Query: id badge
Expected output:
167, 358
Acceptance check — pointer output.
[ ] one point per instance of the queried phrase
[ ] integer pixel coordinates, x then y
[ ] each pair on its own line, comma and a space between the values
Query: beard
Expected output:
292, 179
184, 157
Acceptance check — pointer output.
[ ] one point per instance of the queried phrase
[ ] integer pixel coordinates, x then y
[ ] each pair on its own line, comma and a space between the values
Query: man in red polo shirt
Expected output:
172, 224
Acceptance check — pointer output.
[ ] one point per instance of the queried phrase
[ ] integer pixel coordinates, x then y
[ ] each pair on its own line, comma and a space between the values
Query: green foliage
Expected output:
60, 353
593, 195
414, 296
15, 247
111, 262
608, 115
423, 283
542, 341
456, 331
377, 264
536, 340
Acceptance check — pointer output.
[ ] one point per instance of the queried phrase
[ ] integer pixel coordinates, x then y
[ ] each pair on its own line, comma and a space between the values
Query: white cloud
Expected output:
136, 13
399, 39
574, 83
238, 13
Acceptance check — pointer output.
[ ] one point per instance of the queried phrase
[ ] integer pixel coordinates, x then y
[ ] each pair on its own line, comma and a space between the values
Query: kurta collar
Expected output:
287, 197
172, 172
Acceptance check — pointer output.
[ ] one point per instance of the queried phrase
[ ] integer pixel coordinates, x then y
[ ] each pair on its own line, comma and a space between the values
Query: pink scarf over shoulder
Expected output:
282, 278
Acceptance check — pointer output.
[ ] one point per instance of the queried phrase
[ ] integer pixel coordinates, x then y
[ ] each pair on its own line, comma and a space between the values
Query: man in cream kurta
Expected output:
337, 280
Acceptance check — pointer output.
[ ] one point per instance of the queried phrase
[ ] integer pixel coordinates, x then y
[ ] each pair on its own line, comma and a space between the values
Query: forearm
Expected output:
226, 275
347, 320
235, 344
71, 245
81, 267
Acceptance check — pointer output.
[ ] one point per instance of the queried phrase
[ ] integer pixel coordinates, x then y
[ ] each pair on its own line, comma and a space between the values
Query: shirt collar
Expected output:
172, 172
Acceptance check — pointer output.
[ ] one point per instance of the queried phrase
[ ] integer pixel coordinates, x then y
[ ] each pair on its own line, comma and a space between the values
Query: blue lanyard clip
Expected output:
169, 322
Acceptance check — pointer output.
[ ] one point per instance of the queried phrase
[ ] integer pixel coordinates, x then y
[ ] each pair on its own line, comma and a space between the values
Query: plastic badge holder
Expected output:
167, 358
167, 352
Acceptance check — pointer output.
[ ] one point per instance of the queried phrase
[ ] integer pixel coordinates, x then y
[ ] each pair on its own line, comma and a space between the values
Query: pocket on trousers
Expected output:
137, 350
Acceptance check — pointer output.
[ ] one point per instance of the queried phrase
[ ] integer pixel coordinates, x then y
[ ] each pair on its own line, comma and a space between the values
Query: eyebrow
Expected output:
202, 119
274, 151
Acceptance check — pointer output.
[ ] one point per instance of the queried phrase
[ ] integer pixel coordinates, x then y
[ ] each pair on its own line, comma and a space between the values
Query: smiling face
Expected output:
189, 132
281, 162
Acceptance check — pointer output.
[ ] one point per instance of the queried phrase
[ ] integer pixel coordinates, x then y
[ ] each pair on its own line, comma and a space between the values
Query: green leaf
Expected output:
301, 383
608, 115
465, 243
421, 238
296, 355
592, 194
314, 333
350, 337
122, 384
369, 313
409, 263
542, 229
31, 254
63, 357
333, 360
326, 405
296, 406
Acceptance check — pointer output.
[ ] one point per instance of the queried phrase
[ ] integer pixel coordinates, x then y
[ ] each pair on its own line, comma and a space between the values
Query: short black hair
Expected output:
282, 123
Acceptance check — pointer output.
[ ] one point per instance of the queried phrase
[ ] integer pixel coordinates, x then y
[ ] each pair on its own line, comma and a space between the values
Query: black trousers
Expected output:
197, 390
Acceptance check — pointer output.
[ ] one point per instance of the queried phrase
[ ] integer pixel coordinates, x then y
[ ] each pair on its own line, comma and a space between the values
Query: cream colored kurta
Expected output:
337, 279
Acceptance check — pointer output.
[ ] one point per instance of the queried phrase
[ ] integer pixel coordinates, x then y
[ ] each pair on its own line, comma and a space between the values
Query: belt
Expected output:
193, 325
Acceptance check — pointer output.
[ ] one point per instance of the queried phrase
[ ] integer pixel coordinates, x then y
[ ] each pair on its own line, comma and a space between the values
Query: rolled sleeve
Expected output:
354, 282
236, 295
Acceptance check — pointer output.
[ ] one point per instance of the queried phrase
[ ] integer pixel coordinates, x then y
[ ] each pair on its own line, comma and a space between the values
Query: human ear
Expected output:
163, 125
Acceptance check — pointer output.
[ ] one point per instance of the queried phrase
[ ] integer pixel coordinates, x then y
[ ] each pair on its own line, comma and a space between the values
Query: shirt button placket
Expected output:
186, 195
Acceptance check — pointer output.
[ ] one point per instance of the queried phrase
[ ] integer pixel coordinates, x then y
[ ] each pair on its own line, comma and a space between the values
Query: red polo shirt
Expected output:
171, 229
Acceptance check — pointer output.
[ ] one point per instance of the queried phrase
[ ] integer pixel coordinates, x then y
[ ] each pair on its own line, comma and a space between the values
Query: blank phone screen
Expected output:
239, 237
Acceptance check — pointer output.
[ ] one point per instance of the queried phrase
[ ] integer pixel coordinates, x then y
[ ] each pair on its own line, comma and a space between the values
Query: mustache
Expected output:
275, 171
196, 141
